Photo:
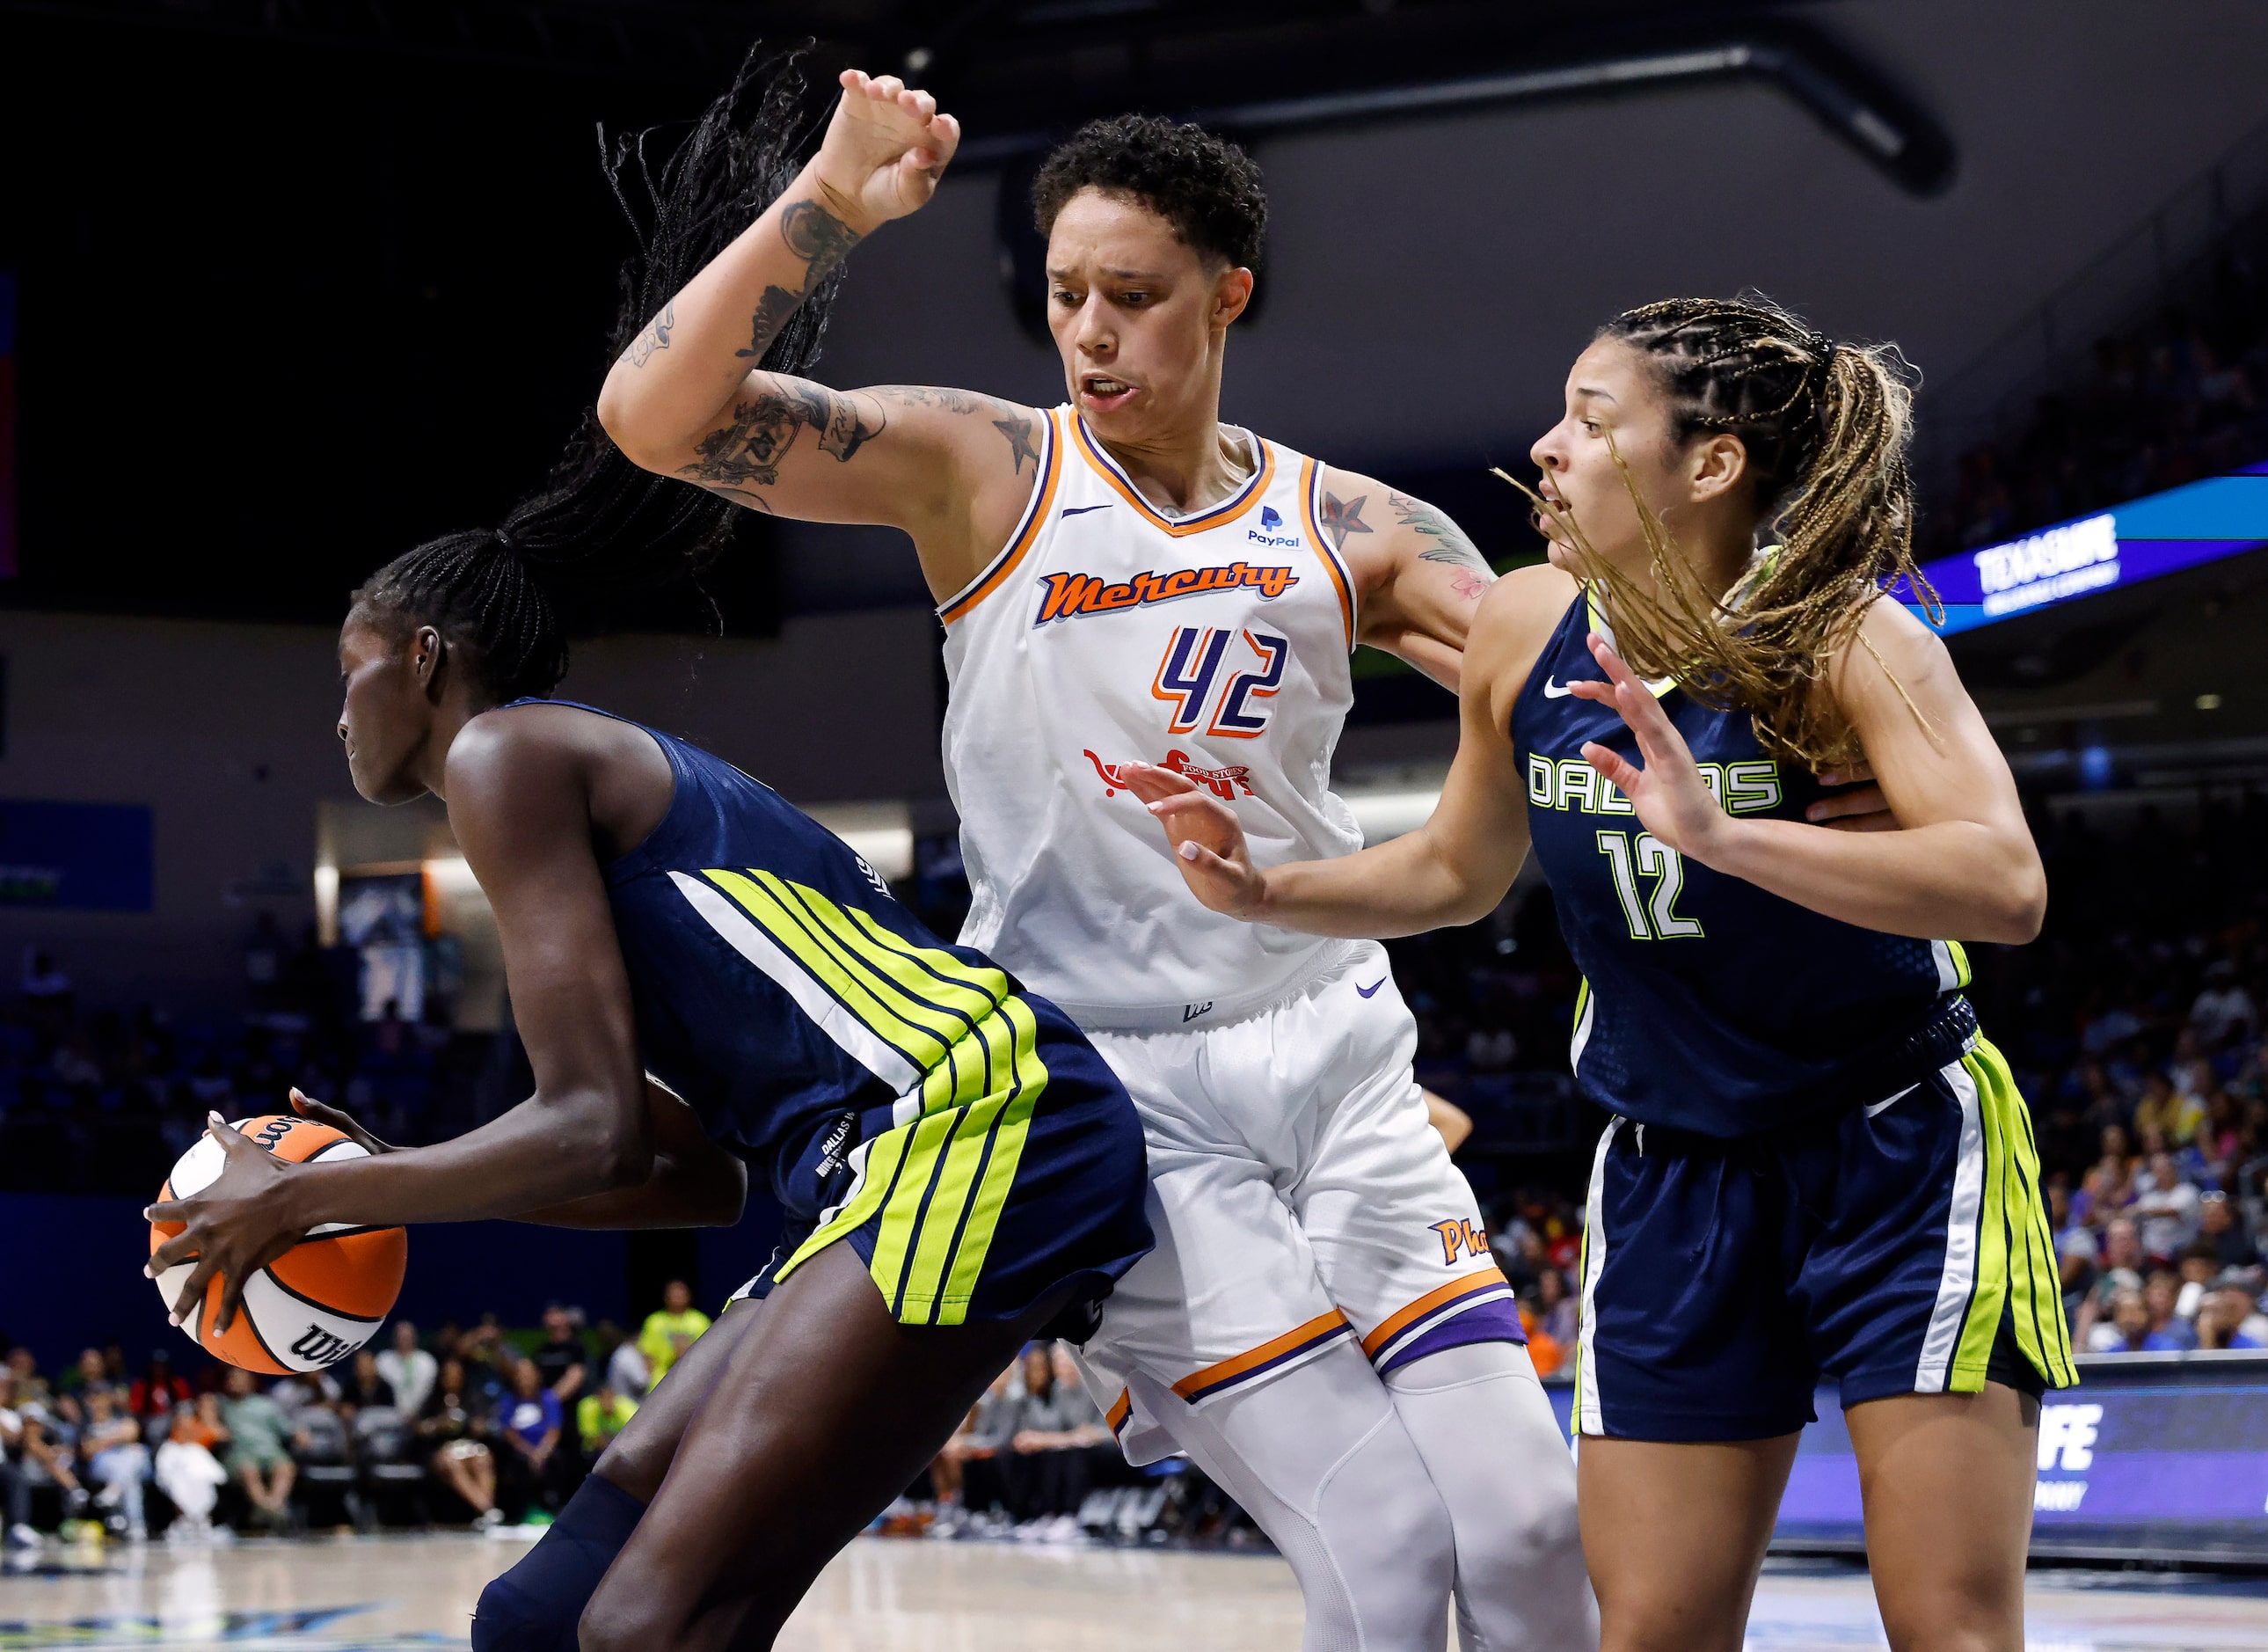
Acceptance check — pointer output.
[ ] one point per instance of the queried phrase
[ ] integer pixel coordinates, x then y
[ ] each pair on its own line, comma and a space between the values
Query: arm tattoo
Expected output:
1449, 544
772, 311
822, 240
746, 450
1019, 442
1341, 517
656, 335
1016, 428
937, 397
816, 236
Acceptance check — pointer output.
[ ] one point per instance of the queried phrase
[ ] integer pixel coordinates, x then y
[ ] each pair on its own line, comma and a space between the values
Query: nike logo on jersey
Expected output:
1081, 510
1372, 990
1069, 595
1556, 690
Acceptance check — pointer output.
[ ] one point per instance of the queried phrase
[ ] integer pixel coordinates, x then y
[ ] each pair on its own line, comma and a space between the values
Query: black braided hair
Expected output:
599, 526
1825, 427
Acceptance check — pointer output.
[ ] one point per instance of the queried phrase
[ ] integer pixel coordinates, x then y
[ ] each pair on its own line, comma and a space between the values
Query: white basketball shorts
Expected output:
1300, 1196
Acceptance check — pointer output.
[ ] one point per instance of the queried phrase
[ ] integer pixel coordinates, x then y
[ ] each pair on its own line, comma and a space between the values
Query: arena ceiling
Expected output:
304, 280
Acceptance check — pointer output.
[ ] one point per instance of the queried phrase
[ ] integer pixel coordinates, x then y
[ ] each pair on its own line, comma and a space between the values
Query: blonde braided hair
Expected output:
1826, 427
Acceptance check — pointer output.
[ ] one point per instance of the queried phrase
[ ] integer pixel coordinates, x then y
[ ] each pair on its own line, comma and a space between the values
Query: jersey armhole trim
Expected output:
1311, 489
1028, 530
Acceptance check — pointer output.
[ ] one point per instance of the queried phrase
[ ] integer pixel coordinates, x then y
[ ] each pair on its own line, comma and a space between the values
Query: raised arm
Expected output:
951, 468
1455, 869
1961, 866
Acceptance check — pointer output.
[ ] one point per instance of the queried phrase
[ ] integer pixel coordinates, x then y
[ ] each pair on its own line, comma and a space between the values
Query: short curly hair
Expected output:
1202, 184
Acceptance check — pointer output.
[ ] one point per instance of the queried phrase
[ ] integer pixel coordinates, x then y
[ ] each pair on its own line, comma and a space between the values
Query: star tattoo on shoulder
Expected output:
1019, 442
1343, 517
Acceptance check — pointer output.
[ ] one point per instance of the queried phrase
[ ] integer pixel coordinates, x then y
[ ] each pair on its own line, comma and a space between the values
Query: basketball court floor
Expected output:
893, 1595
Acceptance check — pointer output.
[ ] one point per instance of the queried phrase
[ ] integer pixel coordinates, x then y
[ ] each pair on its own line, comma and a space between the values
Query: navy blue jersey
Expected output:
780, 987
1708, 1004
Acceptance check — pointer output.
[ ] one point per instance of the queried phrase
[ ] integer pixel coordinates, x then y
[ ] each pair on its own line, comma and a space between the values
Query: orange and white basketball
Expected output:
317, 1303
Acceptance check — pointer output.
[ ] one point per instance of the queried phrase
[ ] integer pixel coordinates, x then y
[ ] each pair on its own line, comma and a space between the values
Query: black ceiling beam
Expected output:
1850, 101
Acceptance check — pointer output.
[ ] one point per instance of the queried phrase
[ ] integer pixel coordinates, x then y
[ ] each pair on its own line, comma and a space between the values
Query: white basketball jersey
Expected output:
1106, 632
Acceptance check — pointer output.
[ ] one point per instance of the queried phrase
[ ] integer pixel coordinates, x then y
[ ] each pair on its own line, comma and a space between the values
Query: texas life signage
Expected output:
2201, 522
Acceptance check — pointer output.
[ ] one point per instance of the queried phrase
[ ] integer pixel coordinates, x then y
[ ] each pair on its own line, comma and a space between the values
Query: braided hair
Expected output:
1826, 427
599, 525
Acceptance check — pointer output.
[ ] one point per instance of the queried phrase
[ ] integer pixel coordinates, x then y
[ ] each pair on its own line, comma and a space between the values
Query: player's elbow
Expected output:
2017, 904
619, 418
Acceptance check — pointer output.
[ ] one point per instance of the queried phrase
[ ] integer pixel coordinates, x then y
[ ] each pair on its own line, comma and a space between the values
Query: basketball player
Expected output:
960, 1170
1322, 1327
1817, 1168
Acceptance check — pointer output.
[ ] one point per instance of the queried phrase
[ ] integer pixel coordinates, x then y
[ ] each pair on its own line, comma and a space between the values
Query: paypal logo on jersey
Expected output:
1270, 519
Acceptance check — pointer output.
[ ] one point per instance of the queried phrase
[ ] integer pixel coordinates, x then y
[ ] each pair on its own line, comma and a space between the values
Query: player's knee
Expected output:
1387, 1527
1953, 1619
506, 1620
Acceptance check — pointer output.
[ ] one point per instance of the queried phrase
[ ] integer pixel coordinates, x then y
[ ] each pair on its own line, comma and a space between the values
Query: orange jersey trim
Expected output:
1488, 1280
1027, 533
1225, 513
1311, 487
1319, 1329
1121, 1409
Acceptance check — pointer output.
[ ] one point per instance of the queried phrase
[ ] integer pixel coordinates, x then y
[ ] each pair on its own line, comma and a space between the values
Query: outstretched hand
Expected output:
885, 150
1671, 799
231, 1230
1208, 844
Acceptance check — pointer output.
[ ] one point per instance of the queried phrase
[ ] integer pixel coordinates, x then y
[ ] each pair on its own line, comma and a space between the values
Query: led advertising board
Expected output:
2162, 1456
2201, 522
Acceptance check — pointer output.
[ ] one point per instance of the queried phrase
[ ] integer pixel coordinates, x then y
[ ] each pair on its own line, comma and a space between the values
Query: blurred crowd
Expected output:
2183, 396
477, 1425
104, 1100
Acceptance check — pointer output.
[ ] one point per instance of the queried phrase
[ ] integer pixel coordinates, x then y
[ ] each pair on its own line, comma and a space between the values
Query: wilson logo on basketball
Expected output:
319, 1346
1222, 782
1069, 595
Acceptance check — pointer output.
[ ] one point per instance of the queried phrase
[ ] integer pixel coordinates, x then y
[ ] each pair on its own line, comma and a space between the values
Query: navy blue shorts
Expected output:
1901, 1247
986, 1191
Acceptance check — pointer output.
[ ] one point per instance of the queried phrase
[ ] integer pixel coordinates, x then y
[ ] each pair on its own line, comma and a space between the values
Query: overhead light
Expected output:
2208, 702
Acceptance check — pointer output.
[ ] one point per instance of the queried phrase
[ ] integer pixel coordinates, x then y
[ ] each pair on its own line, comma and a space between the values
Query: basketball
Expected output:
319, 1302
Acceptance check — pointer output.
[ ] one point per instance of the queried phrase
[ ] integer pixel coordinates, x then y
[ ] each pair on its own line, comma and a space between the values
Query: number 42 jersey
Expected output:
1707, 1003
1106, 632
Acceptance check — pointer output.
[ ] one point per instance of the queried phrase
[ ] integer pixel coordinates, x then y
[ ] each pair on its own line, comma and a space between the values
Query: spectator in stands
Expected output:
2128, 1329
2231, 1318
670, 1330
2223, 1012
15, 1484
49, 1455
257, 1458
560, 1357
624, 1368
453, 1424
600, 1415
365, 1386
2163, 1297
407, 1369
2167, 1204
159, 1389
967, 1476
115, 1458
544, 1464
2218, 1226
1048, 1468
2122, 1272
188, 1472
31, 1388
1557, 1313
